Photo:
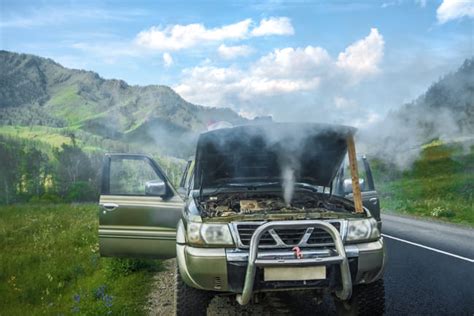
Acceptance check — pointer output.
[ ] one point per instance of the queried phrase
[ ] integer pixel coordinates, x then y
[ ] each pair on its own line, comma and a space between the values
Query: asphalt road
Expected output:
430, 271
438, 280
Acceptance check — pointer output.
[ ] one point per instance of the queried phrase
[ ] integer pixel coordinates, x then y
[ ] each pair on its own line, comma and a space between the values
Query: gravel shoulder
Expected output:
161, 300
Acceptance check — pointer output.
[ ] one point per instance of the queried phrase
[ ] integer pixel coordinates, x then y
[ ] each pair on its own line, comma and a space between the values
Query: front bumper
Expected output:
241, 271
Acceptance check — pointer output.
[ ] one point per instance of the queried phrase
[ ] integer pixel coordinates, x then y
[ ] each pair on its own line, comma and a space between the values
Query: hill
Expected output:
39, 91
444, 112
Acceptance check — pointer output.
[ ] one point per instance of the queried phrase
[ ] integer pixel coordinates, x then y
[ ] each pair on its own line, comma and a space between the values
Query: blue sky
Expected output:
338, 61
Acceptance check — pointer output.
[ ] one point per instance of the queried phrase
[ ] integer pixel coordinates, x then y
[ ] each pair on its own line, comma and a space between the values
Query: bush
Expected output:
116, 267
440, 212
81, 192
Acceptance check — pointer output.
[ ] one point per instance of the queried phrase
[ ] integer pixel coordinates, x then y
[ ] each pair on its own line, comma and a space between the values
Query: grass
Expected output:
68, 103
49, 135
49, 264
439, 185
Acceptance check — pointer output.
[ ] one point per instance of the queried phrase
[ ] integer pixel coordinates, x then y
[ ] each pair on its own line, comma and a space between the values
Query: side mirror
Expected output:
347, 185
155, 188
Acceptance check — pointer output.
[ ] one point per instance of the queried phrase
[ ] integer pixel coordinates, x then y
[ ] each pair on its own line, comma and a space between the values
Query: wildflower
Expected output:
108, 300
100, 292
77, 298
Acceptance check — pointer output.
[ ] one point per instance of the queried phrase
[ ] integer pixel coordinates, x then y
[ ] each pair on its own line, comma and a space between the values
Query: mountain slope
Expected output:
444, 112
59, 96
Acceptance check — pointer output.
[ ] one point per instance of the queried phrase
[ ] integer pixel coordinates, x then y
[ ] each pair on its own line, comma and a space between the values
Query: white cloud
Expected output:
455, 9
283, 71
230, 52
344, 103
178, 36
47, 15
274, 26
364, 56
167, 59
293, 62
286, 73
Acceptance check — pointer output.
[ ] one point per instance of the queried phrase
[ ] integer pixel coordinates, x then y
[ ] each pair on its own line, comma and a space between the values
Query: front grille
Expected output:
290, 237
320, 236
246, 231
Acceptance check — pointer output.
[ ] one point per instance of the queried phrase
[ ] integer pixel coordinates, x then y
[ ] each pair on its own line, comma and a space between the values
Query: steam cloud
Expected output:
288, 175
444, 112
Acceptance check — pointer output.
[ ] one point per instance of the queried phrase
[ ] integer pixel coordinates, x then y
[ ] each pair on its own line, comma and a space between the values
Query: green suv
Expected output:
260, 208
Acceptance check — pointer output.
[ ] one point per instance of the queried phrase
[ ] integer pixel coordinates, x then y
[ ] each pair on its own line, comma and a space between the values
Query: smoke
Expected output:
288, 183
287, 153
445, 113
289, 161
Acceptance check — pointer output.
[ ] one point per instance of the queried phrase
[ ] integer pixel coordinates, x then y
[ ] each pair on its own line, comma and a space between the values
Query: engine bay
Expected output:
229, 204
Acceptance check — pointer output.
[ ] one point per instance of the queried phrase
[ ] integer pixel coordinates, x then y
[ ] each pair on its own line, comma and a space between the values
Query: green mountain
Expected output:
445, 112
39, 91
447, 107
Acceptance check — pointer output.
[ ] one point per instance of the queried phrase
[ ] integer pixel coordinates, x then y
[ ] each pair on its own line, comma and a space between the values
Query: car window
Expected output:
365, 182
128, 176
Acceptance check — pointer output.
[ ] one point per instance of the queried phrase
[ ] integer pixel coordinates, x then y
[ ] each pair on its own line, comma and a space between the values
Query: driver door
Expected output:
370, 196
139, 209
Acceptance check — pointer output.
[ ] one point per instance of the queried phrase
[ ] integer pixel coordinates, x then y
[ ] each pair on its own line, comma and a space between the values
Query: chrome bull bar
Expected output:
253, 262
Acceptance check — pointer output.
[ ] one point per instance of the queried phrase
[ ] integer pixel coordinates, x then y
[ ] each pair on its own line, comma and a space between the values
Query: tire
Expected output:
367, 299
188, 300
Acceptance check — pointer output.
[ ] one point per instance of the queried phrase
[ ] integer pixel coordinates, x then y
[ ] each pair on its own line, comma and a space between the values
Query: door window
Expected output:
365, 176
129, 176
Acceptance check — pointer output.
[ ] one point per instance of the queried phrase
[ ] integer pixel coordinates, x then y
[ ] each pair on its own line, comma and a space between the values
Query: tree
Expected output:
35, 171
10, 154
73, 166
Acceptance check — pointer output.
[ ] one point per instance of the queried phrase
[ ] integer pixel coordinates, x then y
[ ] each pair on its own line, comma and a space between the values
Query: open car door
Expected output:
370, 196
139, 209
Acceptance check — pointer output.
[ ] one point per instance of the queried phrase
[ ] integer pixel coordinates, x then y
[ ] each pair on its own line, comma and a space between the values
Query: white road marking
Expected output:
429, 248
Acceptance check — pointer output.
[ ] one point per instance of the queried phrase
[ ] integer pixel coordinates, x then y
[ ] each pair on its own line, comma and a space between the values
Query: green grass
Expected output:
68, 104
49, 135
439, 185
49, 264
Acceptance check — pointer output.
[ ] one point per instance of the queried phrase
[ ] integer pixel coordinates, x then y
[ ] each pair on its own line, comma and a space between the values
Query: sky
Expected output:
345, 62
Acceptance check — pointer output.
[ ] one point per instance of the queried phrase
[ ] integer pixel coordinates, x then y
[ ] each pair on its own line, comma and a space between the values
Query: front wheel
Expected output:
366, 299
188, 300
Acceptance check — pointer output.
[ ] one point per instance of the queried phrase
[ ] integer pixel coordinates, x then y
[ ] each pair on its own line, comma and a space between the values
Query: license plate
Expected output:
294, 273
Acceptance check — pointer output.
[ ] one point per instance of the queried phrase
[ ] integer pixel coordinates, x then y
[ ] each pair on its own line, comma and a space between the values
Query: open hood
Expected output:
300, 152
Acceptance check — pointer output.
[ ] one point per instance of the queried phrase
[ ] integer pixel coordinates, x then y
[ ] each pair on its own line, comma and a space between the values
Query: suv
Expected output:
260, 208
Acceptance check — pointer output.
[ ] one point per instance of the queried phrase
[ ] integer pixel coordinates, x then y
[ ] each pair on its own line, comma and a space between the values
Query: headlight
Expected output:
209, 234
194, 236
365, 229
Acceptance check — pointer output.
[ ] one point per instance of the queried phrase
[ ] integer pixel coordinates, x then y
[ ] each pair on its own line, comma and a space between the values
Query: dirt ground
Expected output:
161, 301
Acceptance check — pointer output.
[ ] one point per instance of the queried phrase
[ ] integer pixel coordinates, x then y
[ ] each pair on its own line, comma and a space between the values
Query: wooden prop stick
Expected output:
354, 175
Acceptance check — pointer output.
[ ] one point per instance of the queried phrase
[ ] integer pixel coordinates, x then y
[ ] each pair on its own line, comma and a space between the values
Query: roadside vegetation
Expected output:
59, 167
439, 185
50, 265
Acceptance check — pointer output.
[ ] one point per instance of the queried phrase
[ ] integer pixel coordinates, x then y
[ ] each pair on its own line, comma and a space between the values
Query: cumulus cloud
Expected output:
287, 76
281, 71
176, 37
454, 9
293, 63
364, 56
230, 52
167, 59
274, 26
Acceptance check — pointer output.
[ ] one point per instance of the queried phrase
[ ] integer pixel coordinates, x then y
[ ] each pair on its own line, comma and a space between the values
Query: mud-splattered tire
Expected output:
188, 300
368, 299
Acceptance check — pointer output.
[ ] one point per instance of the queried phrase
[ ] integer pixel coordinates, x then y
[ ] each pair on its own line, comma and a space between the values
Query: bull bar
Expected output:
253, 262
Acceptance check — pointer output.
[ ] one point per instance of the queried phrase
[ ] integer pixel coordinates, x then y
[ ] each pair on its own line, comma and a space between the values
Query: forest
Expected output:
30, 174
